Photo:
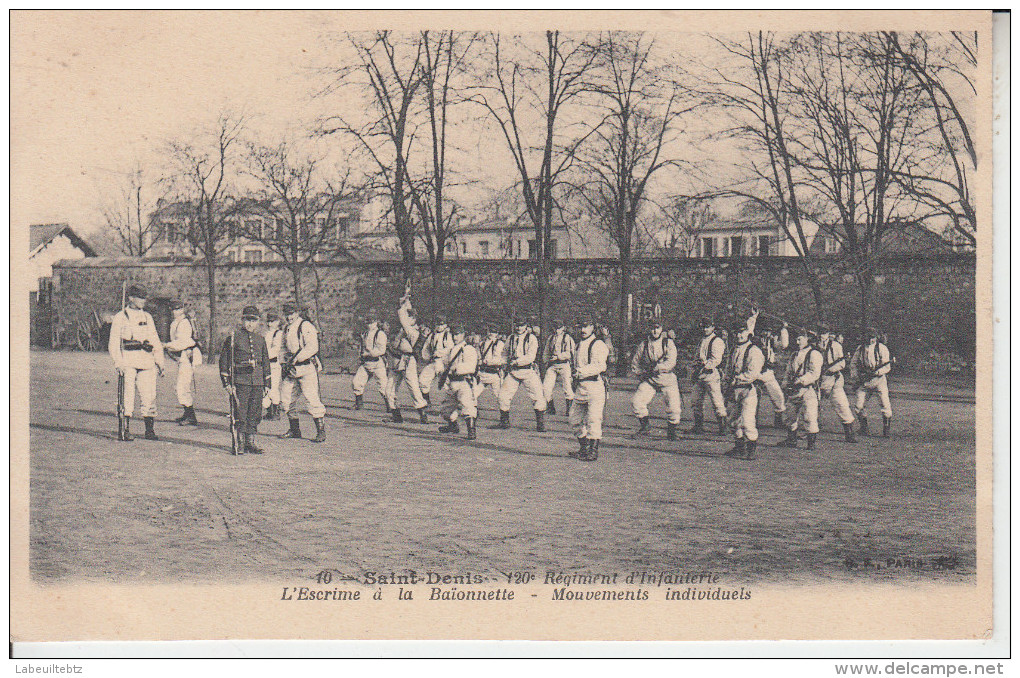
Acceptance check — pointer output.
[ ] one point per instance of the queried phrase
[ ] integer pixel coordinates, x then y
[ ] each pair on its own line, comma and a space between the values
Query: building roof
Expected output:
42, 234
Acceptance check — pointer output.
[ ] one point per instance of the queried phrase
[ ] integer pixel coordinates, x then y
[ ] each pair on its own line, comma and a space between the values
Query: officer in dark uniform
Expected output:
245, 369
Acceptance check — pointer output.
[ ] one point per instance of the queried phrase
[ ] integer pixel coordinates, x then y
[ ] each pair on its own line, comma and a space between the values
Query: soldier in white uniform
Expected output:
771, 343
522, 351
300, 371
803, 373
871, 363
459, 378
274, 346
834, 362
590, 365
653, 363
559, 351
183, 348
408, 344
707, 378
491, 362
373, 364
746, 364
436, 351
137, 353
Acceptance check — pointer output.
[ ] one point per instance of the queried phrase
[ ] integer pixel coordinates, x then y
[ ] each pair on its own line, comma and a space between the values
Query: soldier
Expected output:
834, 362
459, 379
871, 363
746, 363
300, 372
590, 365
245, 373
373, 364
137, 354
558, 352
408, 344
522, 351
437, 348
491, 363
705, 374
185, 351
770, 344
274, 345
653, 362
803, 373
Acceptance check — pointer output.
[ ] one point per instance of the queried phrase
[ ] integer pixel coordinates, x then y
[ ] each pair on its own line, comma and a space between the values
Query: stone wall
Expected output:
927, 305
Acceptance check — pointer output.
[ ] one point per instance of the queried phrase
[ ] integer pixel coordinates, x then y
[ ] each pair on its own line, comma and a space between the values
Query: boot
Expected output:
777, 420
699, 424
570, 402
791, 439
184, 419
127, 437
670, 431
738, 448
422, 416
750, 449
551, 407
540, 421
295, 430
643, 428
150, 431
722, 426
270, 413
592, 454
249, 444
863, 424
359, 402
192, 419
472, 430
450, 427
427, 397
582, 449
396, 415
238, 451
320, 431
886, 426
848, 433
811, 438
504, 420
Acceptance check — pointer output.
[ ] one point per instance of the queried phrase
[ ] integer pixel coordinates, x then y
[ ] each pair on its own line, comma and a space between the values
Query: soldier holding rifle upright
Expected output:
138, 357
245, 373
408, 343
871, 363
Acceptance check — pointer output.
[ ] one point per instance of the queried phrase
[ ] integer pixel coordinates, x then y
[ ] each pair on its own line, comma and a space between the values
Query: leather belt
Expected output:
489, 369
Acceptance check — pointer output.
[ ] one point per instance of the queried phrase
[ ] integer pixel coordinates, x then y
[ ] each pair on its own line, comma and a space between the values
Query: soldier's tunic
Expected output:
244, 362
406, 369
437, 349
709, 380
832, 380
590, 365
301, 340
274, 348
129, 331
491, 365
558, 352
803, 374
656, 356
745, 366
522, 350
771, 347
871, 363
373, 364
459, 394
183, 347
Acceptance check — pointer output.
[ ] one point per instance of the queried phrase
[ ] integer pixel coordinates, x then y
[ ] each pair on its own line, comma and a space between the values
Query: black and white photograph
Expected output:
501, 325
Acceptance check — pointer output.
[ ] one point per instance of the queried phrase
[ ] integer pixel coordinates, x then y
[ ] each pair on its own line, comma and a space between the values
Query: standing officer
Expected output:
300, 371
137, 354
184, 349
373, 364
491, 363
746, 364
522, 351
274, 345
590, 364
459, 378
245, 373
409, 343
653, 363
834, 362
437, 348
871, 363
802, 376
558, 352
707, 378
770, 344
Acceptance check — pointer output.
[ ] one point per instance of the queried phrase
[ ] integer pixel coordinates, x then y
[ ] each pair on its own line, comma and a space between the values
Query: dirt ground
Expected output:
379, 496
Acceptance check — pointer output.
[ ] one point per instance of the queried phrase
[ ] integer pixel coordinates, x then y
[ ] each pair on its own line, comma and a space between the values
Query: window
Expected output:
532, 249
552, 248
736, 246
253, 228
708, 247
343, 225
449, 246
764, 245
830, 245
252, 256
231, 256
281, 230
483, 248
463, 248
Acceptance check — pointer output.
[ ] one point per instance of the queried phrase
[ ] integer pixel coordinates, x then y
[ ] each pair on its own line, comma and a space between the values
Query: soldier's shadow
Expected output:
104, 435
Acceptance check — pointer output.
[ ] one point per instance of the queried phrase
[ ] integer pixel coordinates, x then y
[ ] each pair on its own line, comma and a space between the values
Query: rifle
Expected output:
236, 445
121, 419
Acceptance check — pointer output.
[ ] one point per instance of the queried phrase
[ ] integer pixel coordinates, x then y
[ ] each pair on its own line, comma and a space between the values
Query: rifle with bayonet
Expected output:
121, 419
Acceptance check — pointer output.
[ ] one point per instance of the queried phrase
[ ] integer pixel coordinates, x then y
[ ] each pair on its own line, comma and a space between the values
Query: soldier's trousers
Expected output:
304, 382
775, 391
878, 385
645, 393
564, 373
491, 379
532, 384
428, 375
406, 373
185, 380
804, 409
832, 388
145, 381
367, 370
459, 399
588, 408
274, 385
746, 403
709, 385
248, 409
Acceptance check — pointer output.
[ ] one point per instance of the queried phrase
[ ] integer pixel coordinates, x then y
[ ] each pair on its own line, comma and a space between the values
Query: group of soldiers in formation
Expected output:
265, 373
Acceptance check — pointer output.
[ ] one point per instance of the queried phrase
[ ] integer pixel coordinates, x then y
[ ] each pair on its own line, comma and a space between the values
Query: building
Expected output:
48, 244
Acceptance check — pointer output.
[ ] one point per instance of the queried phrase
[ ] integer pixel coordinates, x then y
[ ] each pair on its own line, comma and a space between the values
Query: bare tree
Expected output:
687, 219
126, 216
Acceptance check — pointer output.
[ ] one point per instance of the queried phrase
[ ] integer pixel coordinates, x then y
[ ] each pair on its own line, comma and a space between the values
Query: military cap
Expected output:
441, 319
176, 304
250, 313
871, 332
458, 328
137, 291
288, 309
271, 316
586, 318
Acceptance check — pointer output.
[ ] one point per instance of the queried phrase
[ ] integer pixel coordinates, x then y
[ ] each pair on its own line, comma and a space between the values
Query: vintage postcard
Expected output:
664, 326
